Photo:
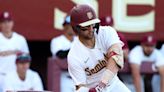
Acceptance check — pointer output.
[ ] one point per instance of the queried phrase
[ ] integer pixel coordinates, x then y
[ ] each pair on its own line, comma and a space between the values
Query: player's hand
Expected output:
99, 88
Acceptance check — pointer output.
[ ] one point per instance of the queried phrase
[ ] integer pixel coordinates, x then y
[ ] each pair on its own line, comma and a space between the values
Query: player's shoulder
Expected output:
58, 38
135, 50
162, 45
106, 29
17, 35
32, 73
74, 49
157, 52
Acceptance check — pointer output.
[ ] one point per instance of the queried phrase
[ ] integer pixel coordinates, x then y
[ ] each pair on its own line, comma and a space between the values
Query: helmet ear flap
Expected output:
97, 27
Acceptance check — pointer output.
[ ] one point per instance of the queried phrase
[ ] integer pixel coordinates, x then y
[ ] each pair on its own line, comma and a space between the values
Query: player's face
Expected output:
148, 49
6, 26
23, 67
87, 32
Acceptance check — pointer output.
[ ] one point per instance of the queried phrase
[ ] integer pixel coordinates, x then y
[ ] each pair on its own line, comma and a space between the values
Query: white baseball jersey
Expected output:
16, 42
60, 43
85, 65
137, 56
162, 49
32, 82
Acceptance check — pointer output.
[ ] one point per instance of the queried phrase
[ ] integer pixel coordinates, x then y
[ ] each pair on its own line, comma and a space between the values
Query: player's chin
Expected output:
90, 36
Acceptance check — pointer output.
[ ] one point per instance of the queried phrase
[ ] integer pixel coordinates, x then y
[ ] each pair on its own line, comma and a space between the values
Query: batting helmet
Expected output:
83, 15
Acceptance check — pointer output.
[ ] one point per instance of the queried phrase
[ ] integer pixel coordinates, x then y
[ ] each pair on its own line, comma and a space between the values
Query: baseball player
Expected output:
11, 43
147, 52
60, 47
23, 79
96, 55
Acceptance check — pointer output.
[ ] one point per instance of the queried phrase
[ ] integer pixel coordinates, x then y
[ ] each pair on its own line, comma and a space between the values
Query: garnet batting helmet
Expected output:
83, 15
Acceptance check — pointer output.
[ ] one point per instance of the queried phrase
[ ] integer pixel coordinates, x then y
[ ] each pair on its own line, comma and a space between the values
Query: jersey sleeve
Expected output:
135, 56
24, 47
54, 47
162, 49
110, 37
159, 59
76, 71
38, 86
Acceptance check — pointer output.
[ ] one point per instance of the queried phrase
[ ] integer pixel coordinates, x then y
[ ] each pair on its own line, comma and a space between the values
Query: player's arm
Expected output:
9, 52
114, 64
161, 73
159, 65
24, 47
135, 69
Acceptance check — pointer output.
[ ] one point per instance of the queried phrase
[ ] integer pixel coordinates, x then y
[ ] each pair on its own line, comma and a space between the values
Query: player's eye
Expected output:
87, 27
84, 29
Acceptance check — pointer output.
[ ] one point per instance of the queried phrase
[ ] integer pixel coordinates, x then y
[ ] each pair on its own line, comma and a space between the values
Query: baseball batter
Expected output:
96, 56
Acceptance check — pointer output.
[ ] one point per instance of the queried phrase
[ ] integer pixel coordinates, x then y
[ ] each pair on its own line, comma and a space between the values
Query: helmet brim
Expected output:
90, 22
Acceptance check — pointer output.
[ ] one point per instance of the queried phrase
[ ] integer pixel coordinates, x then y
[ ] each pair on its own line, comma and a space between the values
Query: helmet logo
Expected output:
150, 38
108, 19
89, 15
6, 14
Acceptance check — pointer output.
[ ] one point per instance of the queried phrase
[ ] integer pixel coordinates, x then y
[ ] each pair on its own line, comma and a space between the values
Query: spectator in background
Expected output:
146, 52
23, 79
11, 44
60, 47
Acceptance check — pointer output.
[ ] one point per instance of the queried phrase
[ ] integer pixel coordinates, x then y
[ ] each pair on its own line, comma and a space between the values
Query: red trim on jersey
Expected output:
112, 53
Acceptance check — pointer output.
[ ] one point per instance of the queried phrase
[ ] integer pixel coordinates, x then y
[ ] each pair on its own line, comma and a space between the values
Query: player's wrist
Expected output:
107, 77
